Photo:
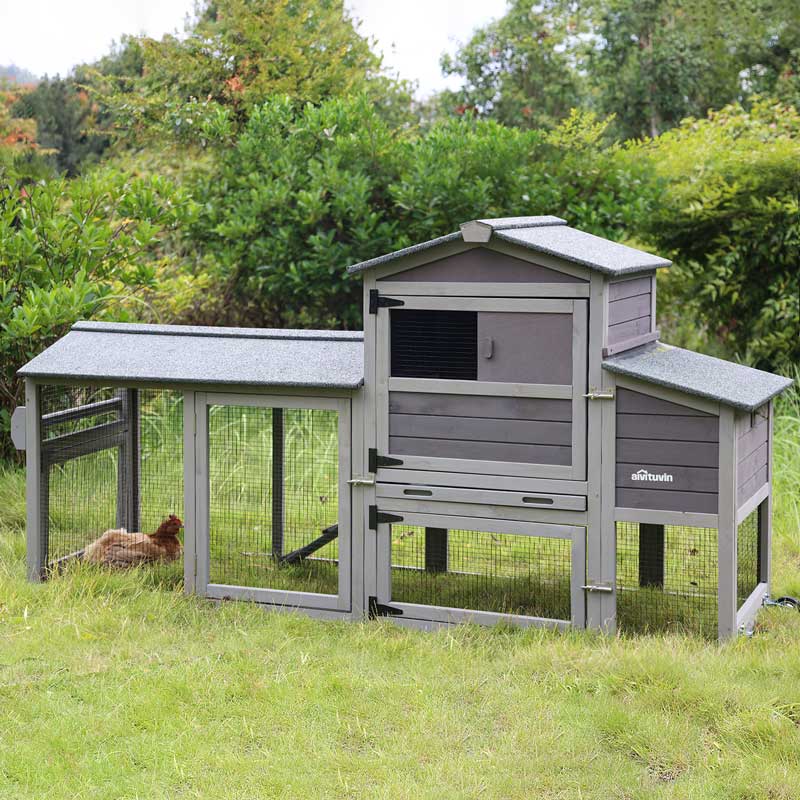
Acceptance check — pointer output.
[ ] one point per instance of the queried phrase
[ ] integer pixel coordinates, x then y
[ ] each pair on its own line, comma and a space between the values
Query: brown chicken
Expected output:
118, 548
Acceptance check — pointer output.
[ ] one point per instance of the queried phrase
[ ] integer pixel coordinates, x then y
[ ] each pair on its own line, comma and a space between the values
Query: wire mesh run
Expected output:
667, 578
748, 549
274, 498
112, 459
504, 573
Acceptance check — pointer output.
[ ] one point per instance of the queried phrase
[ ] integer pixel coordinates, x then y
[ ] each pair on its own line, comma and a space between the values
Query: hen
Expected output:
118, 548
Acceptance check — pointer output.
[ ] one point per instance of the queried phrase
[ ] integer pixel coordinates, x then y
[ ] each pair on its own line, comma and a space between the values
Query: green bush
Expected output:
72, 250
729, 216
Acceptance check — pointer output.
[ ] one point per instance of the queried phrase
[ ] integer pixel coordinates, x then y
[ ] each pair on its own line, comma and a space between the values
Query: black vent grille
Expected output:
434, 344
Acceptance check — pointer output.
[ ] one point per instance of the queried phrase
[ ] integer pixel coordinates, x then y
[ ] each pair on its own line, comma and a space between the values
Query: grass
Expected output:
113, 688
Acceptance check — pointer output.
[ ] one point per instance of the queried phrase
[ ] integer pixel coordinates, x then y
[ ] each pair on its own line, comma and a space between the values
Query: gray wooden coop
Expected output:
508, 442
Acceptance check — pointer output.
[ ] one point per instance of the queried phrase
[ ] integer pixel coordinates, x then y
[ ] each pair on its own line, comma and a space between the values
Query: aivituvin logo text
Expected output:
644, 475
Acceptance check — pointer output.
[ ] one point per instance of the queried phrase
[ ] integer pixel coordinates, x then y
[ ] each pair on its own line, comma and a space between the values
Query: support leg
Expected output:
436, 549
278, 517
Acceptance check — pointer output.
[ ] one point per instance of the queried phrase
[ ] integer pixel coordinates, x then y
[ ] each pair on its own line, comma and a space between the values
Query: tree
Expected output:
521, 69
729, 216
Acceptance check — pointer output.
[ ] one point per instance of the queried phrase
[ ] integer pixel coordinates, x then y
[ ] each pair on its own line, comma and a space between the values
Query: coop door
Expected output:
273, 503
483, 386
437, 569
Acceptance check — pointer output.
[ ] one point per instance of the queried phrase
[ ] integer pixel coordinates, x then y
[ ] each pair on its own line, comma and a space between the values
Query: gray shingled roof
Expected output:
735, 385
545, 234
180, 355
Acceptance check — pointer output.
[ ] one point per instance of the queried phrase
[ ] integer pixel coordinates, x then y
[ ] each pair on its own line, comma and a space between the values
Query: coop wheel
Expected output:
788, 602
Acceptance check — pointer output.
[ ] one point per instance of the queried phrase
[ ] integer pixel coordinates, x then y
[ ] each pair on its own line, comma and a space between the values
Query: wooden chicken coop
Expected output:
508, 441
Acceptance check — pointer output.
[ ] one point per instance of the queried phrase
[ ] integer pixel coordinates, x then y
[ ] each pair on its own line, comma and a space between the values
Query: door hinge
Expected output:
596, 394
379, 517
374, 461
377, 300
376, 609
599, 586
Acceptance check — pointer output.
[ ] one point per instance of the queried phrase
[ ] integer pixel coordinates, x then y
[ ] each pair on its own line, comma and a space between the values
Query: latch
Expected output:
377, 300
374, 461
361, 480
606, 587
597, 394
376, 609
379, 517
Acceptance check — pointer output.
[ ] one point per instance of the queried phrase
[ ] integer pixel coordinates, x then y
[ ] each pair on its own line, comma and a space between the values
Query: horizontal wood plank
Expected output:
751, 486
695, 502
689, 479
480, 451
754, 438
664, 453
630, 402
619, 290
668, 427
488, 407
629, 308
477, 429
750, 465
628, 330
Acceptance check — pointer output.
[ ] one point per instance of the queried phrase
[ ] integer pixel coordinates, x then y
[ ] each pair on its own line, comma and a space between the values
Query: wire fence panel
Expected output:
667, 578
112, 459
274, 498
748, 548
503, 573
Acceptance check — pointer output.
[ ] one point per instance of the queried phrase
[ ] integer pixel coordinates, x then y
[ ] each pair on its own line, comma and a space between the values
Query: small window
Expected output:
434, 344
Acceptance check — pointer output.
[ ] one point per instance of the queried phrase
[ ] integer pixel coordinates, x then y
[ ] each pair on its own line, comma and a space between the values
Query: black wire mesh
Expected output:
667, 578
97, 477
255, 529
748, 547
505, 573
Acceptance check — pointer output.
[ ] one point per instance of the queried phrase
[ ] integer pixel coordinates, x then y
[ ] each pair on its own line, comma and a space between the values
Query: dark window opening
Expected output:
434, 344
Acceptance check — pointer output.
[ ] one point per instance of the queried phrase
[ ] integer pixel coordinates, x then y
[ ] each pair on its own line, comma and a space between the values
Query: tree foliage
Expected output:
730, 216
71, 250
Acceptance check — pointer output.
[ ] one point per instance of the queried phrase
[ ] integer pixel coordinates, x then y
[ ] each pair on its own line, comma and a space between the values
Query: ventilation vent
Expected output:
434, 344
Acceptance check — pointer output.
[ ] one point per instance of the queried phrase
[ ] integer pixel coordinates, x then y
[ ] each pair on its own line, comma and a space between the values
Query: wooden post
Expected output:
436, 549
651, 555
277, 482
129, 470
36, 485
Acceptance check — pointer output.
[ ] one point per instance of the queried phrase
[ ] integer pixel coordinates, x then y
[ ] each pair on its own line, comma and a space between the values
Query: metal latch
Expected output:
597, 394
361, 480
599, 586
376, 609
378, 517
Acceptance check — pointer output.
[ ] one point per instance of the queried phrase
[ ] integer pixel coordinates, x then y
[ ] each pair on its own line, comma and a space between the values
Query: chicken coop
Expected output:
507, 442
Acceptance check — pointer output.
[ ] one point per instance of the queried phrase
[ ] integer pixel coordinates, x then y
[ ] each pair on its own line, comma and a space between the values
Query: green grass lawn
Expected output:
111, 687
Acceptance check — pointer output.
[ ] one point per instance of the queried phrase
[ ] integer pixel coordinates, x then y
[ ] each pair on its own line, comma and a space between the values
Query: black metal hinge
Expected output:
377, 300
376, 609
375, 461
378, 517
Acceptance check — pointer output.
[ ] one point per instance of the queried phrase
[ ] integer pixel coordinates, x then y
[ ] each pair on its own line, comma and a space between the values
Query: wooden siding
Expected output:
752, 452
528, 430
629, 309
660, 438
481, 265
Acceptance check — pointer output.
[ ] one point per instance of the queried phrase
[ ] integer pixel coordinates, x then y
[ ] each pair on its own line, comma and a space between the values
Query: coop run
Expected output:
507, 442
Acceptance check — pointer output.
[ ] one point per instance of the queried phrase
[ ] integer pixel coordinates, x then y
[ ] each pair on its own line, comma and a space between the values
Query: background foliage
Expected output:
229, 175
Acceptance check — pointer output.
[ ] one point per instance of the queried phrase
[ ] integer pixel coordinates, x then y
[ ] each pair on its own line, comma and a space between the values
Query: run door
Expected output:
273, 503
433, 568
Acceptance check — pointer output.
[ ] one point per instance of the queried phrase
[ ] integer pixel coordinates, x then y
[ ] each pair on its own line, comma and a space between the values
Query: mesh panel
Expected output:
93, 481
498, 572
434, 344
666, 578
255, 530
748, 545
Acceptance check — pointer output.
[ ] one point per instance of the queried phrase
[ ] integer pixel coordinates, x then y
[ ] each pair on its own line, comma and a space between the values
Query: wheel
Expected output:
788, 602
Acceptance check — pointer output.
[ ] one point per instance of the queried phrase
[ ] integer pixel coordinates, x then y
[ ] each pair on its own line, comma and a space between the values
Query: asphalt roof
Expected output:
735, 385
545, 234
177, 354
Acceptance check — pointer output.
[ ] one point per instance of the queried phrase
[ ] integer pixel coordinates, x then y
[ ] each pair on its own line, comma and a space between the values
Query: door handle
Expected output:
487, 347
